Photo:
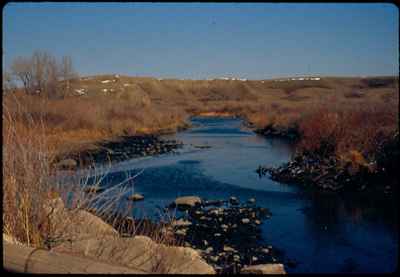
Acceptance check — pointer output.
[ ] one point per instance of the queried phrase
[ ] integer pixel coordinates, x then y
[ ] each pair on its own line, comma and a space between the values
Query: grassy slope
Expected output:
133, 105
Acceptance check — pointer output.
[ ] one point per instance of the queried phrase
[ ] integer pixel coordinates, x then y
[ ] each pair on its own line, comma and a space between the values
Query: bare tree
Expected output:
40, 61
67, 74
43, 74
22, 68
8, 83
52, 88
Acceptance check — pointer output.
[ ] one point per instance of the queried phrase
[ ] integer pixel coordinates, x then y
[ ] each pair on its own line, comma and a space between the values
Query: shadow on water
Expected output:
354, 233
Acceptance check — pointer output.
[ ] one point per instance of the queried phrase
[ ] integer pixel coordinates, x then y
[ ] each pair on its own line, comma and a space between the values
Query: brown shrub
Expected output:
345, 128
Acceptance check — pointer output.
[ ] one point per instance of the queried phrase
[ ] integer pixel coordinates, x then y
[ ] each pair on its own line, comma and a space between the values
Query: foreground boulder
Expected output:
264, 269
25, 259
140, 253
87, 223
84, 234
70, 225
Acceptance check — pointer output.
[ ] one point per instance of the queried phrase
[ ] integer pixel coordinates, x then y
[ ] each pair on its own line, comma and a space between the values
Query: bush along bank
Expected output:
324, 170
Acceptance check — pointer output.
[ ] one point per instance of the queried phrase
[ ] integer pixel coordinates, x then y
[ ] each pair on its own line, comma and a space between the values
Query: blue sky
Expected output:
203, 40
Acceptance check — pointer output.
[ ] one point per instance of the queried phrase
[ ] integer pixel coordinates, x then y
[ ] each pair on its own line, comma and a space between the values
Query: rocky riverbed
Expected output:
227, 233
124, 148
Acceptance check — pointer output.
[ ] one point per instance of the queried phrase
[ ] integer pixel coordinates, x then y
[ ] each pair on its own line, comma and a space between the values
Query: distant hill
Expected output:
179, 92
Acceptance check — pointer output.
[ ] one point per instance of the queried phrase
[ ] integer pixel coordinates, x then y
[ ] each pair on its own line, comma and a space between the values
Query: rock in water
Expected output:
187, 202
265, 251
136, 197
181, 232
251, 201
180, 223
214, 259
234, 201
228, 249
264, 269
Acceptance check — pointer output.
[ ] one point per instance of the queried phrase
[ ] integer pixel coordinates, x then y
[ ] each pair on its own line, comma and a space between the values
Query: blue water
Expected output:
324, 233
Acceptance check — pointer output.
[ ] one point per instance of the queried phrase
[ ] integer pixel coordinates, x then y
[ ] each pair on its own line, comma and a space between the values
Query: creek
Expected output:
321, 232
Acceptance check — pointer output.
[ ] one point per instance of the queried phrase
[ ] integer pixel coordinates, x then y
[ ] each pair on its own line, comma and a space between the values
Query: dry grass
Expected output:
73, 121
293, 86
343, 117
43, 209
30, 185
26, 160
146, 105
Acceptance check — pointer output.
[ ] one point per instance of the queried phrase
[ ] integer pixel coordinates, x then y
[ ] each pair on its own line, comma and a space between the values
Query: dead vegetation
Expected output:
350, 115
45, 210
347, 128
73, 122
113, 105
42, 209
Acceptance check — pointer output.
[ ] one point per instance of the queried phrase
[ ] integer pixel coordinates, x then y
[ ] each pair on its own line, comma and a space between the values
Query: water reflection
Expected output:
350, 232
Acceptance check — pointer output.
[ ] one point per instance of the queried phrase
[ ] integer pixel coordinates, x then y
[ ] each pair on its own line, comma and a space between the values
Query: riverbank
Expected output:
225, 233
324, 170
81, 234
147, 247
118, 149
